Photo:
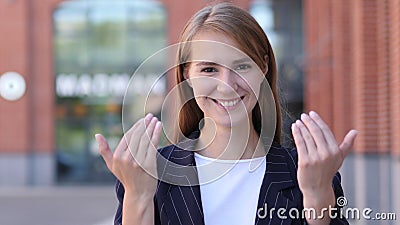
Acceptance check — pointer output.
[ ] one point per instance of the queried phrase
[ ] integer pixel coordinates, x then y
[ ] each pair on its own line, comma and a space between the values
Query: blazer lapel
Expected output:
276, 191
182, 200
183, 205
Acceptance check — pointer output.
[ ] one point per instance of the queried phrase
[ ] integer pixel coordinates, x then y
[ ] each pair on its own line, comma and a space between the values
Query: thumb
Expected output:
348, 141
105, 151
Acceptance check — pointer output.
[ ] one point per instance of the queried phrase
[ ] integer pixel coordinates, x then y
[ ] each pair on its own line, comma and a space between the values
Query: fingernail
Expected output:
148, 116
312, 113
97, 137
303, 116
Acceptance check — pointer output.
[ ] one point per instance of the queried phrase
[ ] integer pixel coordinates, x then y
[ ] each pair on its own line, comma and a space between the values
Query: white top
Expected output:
230, 189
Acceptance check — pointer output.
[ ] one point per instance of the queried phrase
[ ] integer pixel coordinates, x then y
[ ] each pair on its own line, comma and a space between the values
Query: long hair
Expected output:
243, 29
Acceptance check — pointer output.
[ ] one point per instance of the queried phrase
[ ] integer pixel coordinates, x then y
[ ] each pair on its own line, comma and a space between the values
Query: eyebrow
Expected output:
242, 60
238, 61
206, 64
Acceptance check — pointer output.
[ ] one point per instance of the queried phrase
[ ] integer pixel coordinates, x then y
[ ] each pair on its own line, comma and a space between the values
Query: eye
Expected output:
208, 70
243, 67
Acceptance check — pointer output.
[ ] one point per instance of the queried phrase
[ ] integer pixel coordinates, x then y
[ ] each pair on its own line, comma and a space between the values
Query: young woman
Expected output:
227, 95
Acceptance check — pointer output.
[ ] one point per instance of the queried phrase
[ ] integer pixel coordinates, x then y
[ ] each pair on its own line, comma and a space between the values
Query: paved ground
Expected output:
57, 206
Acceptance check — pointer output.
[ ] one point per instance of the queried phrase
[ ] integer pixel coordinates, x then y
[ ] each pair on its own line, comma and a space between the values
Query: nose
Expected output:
227, 81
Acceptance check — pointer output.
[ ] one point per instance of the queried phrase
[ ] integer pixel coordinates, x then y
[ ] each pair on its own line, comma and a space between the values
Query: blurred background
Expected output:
340, 58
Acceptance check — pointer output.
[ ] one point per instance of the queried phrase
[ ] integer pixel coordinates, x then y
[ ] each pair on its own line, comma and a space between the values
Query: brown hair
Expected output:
242, 28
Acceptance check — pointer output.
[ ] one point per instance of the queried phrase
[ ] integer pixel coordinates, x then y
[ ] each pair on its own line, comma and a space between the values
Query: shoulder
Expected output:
174, 154
288, 154
166, 151
278, 154
180, 153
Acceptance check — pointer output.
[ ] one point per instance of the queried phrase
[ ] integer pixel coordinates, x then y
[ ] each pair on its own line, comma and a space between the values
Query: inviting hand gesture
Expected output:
135, 156
320, 157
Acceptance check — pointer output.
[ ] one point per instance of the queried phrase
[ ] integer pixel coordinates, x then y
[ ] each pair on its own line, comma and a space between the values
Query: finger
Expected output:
329, 137
145, 140
155, 139
121, 148
156, 134
348, 141
308, 139
317, 135
148, 118
128, 134
105, 151
136, 134
150, 161
299, 141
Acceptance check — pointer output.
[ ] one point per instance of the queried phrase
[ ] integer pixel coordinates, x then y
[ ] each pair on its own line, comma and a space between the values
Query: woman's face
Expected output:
225, 81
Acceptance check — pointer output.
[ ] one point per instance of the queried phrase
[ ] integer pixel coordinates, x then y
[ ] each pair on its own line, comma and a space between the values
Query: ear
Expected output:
266, 61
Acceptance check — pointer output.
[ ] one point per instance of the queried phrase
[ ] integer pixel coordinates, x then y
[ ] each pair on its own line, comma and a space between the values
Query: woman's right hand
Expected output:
134, 160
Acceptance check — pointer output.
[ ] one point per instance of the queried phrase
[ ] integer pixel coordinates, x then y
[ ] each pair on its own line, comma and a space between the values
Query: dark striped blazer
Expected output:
181, 204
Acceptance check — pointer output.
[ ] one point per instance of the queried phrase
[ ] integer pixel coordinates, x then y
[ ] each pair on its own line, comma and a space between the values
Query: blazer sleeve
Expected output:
338, 190
120, 191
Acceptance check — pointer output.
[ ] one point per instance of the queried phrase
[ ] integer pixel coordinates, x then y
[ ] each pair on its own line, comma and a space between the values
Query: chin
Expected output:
234, 121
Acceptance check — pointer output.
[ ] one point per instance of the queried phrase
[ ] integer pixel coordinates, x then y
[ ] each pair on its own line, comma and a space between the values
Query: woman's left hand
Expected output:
320, 156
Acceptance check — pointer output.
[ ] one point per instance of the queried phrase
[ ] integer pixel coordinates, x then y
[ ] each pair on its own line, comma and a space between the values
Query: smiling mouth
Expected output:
227, 103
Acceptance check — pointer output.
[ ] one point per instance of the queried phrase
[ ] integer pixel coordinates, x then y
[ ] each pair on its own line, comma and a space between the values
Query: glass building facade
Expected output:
98, 45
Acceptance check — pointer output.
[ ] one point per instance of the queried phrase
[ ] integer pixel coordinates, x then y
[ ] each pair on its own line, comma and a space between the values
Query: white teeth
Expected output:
228, 103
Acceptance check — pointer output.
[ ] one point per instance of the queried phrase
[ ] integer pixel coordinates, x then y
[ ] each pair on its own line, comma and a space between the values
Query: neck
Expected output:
238, 142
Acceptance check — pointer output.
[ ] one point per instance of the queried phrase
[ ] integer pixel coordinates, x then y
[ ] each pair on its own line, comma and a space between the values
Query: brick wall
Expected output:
27, 124
13, 57
394, 57
352, 69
